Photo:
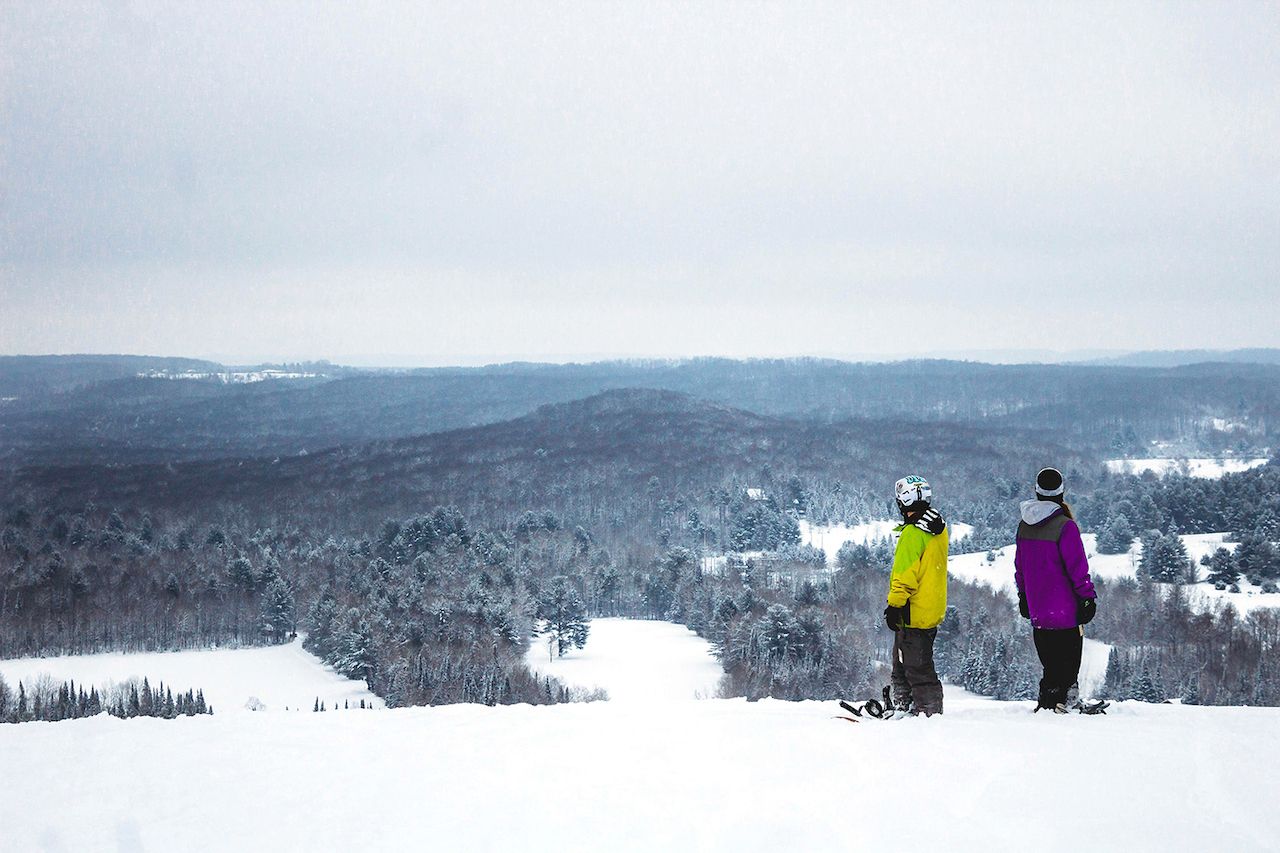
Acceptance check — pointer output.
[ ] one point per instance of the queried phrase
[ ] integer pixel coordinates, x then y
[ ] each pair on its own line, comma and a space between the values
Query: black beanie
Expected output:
1049, 484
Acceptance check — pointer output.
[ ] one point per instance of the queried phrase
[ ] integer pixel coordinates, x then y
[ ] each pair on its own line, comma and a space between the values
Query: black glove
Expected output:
1086, 609
1022, 606
897, 617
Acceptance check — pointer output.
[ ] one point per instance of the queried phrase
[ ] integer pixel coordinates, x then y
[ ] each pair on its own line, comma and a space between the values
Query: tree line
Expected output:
47, 701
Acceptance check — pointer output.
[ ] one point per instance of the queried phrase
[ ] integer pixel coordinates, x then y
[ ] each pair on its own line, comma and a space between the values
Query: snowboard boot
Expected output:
1052, 699
897, 706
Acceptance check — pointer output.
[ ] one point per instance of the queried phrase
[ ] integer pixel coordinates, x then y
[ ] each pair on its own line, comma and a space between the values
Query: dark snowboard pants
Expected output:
914, 678
1060, 653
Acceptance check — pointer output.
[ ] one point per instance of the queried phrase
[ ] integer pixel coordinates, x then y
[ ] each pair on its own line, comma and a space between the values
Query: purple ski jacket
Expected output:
1050, 567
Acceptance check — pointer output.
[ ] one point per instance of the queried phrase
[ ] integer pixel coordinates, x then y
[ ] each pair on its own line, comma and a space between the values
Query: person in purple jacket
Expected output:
1054, 588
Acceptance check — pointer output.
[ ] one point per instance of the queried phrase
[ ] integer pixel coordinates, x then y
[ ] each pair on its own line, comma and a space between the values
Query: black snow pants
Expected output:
914, 678
1060, 653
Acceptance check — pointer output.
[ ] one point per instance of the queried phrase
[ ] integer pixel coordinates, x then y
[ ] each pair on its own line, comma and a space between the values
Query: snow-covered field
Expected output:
715, 775
1205, 468
636, 661
998, 574
830, 538
279, 677
678, 774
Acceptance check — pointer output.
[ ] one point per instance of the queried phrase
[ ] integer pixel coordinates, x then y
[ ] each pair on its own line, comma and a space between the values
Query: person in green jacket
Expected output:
917, 598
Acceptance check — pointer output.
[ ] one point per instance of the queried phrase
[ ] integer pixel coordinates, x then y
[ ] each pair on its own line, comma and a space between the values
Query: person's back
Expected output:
920, 568
1051, 571
917, 599
1050, 566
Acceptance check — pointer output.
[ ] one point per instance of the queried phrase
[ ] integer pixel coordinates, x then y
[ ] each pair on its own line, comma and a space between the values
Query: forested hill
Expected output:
590, 460
40, 376
1203, 408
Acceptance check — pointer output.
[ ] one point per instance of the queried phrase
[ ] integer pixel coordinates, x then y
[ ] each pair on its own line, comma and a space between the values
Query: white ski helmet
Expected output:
912, 490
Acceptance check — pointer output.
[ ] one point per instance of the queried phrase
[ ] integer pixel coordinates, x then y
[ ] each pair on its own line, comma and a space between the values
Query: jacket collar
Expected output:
1034, 512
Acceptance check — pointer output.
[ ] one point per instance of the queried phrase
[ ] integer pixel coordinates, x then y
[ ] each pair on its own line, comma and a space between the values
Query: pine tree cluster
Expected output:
49, 702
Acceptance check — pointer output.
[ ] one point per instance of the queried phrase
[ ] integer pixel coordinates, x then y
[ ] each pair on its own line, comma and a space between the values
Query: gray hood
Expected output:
1034, 512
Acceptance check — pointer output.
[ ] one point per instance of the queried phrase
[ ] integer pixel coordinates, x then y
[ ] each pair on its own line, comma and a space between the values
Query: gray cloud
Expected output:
454, 181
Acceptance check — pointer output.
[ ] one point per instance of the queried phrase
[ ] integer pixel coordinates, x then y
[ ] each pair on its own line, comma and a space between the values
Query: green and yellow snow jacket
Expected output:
920, 573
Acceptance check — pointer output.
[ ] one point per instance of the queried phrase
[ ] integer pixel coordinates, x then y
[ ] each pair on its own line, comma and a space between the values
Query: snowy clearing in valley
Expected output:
716, 775
278, 676
1209, 469
830, 538
635, 661
998, 574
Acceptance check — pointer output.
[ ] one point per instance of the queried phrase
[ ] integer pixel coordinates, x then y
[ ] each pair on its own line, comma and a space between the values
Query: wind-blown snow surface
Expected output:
998, 574
636, 661
278, 676
712, 775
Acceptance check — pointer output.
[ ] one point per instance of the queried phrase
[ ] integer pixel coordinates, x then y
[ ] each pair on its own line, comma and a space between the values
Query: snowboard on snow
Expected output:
1098, 706
872, 708
877, 710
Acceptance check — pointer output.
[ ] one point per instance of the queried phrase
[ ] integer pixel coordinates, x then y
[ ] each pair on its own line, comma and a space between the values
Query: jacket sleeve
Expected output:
907, 567
1071, 547
1019, 579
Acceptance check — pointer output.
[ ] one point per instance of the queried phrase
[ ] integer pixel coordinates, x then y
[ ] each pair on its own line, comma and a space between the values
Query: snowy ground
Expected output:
715, 775
830, 538
636, 661
1206, 468
279, 676
647, 772
998, 574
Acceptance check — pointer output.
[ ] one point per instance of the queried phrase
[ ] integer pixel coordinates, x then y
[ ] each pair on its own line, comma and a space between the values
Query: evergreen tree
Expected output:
277, 611
1256, 557
564, 615
780, 632
1116, 535
1223, 570
355, 654
1164, 557
1144, 687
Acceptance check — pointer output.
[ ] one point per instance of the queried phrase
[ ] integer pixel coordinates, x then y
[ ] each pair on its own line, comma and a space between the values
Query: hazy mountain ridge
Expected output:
1183, 358
131, 419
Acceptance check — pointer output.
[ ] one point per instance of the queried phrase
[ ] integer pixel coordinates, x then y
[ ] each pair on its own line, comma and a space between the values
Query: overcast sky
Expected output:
449, 184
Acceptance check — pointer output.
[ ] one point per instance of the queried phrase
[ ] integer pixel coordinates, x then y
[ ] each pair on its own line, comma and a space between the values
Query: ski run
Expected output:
651, 770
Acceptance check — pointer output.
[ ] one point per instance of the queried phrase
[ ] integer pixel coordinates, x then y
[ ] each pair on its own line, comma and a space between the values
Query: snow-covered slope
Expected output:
639, 775
715, 775
278, 676
998, 573
636, 661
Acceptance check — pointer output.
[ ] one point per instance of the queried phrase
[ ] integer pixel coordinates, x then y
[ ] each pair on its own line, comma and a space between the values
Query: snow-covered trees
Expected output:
50, 701
985, 655
760, 526
1164, 558
353, 651
1116, 535
277, 611
564, 615
1257, 558
1223, 570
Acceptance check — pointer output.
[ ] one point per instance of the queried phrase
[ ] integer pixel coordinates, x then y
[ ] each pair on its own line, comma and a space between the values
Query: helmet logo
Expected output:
912, 489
